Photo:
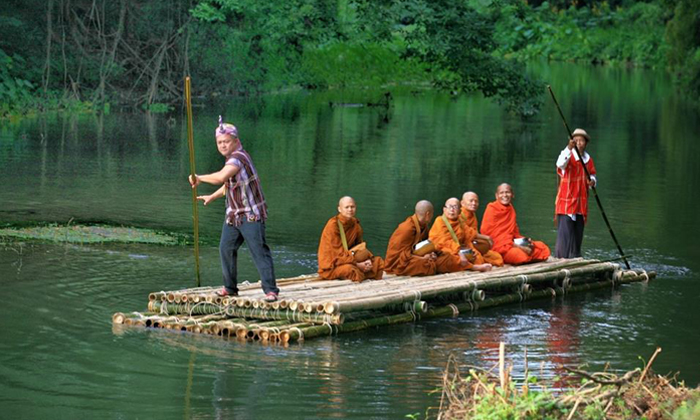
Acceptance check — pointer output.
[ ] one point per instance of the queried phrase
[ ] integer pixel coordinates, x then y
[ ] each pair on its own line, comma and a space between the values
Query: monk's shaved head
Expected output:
346, 207
345, 199
470, 201
505, 194
452, 208
424, 212
468, 195
504, 185
423, 207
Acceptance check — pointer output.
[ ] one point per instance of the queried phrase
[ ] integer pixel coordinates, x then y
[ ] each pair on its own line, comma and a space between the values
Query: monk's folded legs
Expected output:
418, 267
516, 256
448, 263
493, 258
352, 272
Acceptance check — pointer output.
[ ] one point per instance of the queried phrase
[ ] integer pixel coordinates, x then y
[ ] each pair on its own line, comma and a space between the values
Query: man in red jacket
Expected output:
572, 197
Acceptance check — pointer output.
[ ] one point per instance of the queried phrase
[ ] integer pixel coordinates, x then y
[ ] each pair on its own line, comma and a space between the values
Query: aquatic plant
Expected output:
90, 234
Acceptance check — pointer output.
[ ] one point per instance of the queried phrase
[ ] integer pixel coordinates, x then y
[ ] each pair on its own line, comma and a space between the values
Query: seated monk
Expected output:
500, 224
484, 243
341, 252
449, 237
400, 257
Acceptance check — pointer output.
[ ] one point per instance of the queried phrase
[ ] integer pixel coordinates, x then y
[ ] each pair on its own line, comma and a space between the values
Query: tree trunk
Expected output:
49, 30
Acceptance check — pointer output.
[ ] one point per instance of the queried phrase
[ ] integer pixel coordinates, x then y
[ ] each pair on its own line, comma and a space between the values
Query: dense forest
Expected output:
95, 54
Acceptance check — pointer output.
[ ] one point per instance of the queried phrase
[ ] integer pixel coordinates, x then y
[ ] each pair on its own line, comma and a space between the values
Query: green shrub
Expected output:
597, 34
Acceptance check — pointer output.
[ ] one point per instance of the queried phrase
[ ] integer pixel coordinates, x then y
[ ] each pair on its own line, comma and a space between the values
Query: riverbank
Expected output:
475, 393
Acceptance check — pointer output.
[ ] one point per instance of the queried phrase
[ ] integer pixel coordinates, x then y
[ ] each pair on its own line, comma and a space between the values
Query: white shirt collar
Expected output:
586, 156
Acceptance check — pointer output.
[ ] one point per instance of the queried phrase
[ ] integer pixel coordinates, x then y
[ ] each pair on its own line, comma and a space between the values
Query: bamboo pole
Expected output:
285, 314
201, 308
190, 143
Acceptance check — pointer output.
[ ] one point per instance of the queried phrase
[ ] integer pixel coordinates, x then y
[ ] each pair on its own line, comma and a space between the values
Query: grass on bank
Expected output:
90, 234
470, 393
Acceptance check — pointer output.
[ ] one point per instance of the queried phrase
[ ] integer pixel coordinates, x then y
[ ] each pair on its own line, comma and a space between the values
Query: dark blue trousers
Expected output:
569, 236
253, 233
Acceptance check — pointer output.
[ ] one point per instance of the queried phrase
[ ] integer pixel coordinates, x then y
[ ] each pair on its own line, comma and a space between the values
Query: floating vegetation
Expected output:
85, 234
473, 393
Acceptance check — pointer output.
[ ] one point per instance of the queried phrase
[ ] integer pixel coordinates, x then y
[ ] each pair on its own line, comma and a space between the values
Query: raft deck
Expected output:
311, 307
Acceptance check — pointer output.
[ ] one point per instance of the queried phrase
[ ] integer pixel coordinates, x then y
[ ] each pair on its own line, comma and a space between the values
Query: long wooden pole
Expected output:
588, 177
190, 143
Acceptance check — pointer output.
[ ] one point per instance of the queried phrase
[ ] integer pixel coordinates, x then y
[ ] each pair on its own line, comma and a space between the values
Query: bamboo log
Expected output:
285, 314
201, 308
120, 317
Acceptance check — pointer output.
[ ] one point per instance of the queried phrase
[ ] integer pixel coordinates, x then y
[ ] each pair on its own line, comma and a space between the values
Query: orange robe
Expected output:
442, 239
471, 223
500, 224
400, 259
334, 262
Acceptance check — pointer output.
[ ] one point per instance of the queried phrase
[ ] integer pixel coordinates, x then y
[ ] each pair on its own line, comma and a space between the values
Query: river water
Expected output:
61, 358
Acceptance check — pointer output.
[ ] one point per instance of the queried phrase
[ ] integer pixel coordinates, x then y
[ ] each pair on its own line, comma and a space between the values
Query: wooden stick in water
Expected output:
190, 143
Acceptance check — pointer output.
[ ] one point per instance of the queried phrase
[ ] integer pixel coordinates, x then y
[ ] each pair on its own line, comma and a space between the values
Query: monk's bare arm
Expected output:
215, 178
485, 238
525, 249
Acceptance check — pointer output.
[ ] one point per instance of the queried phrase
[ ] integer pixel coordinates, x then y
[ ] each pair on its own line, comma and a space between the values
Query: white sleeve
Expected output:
595, 181
563, 158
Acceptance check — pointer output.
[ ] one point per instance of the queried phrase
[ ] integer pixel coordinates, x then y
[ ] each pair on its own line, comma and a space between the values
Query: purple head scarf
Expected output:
225, 128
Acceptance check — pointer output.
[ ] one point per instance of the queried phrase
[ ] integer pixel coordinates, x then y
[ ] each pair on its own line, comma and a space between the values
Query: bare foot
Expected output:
483, 267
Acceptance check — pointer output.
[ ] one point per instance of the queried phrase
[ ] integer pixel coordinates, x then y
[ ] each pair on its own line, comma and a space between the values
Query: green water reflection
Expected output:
60, 358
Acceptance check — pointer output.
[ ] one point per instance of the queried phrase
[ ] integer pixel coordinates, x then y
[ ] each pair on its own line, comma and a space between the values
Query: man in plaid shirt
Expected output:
572, 197
246, 212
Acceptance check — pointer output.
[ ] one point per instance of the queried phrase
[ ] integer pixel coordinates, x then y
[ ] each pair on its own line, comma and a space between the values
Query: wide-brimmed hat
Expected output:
581, 132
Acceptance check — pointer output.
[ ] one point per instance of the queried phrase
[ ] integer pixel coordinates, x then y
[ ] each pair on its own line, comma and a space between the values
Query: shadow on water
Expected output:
59, 356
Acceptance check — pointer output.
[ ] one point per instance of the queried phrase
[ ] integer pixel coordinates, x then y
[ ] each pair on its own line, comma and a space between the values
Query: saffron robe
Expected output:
400, 259
500, 224
471, 223
442, 239
334, 262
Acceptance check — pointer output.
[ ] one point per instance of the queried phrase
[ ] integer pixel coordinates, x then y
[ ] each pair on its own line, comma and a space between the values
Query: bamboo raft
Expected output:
311, 307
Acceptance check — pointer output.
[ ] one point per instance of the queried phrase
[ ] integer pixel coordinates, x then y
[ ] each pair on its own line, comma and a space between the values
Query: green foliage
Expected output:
459, 42
15, 92
136, 52
360, 43
158, 108
595, 34
250, 46
345, 64
688, 410
683, 34
207, 13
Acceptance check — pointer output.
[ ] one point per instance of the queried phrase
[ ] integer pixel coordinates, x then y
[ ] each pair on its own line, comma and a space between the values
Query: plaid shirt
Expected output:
572, 196
244, 196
